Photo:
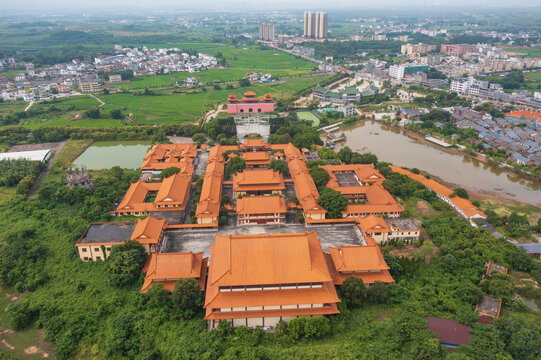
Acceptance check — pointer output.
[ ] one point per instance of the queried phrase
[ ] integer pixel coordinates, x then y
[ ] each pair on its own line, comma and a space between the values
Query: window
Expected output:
108, 248
84, 250
85, 258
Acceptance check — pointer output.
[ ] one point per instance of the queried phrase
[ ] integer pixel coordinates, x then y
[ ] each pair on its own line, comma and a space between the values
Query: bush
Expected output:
353, 291
20, 315
316, 327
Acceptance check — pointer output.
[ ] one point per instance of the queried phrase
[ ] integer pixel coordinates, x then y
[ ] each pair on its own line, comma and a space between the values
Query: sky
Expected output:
254, 4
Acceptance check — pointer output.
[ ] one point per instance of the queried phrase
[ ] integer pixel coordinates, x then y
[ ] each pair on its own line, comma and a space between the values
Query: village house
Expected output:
98, 239
259, 280
383, 230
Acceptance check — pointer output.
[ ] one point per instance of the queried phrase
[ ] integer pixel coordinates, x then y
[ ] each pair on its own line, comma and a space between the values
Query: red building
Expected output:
457, 49
250, 104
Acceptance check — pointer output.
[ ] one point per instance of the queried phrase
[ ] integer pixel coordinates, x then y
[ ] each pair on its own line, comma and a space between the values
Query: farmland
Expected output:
525, 50
163, 107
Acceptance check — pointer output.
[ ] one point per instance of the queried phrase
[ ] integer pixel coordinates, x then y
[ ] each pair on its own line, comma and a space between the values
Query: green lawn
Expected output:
307, 115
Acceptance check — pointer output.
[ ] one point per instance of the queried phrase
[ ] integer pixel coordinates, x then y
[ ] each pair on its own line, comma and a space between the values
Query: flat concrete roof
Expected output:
489, 306
108, 233
181, 240
403, 223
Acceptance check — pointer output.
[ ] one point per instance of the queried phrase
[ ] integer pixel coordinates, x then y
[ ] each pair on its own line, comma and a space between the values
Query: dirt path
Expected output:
95, 97
29, 105
212, 114
45, 172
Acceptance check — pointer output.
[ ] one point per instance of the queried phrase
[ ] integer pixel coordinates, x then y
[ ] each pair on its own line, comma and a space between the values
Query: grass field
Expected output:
531, 52
307, 115
9, 106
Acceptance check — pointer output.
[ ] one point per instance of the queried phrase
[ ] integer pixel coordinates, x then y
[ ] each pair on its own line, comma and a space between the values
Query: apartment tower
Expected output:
266, 32
315, 25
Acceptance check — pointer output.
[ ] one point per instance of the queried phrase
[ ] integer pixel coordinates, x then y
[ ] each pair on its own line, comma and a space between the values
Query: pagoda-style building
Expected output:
250, 104
79, 178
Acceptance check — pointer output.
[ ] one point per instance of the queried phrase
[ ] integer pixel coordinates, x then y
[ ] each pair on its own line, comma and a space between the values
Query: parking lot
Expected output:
200, 240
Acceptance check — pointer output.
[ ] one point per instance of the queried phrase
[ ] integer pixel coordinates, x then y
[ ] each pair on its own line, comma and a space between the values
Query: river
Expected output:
390, 144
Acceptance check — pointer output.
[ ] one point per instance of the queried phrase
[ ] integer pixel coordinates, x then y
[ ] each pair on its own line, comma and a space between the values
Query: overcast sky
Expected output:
254, 4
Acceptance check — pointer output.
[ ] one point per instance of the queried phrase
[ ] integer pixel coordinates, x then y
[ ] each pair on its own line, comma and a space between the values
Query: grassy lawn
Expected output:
307, 115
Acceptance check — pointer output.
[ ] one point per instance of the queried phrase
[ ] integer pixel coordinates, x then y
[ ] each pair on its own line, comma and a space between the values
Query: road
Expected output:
95, 97
45, 172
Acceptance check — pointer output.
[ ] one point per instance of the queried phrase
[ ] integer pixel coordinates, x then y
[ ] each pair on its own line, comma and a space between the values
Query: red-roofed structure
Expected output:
250, 104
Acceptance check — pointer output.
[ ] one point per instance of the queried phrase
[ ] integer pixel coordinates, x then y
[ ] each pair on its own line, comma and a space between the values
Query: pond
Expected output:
106, 154
389, 144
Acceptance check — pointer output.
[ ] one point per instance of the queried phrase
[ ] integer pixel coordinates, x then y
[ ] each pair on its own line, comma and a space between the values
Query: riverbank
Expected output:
453, 167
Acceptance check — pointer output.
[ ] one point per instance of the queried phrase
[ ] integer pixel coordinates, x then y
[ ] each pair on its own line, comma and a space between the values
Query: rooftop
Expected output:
450, 331
489, 306
114, 232
261, 205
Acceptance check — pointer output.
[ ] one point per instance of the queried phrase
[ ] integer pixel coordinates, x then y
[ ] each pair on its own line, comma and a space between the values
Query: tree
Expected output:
125, 263
170, 171
94, 113
316, 327
461, 193
353, 291
234, 165
280, 166
332, 201
326, 153
378, 293
122, 338
187, 297
499, 285
345, 154
126, 74
199, 138
468, 292
366, 158
321, 176
244, 82
116, 114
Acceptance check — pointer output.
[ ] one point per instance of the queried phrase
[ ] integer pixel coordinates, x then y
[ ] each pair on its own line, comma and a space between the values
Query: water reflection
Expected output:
391, 144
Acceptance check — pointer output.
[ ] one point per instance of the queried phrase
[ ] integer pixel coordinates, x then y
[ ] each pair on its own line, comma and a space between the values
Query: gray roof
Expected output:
531, 248
107, 233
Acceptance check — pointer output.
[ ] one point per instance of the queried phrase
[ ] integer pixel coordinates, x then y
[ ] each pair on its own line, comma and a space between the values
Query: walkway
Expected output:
46, 171
212, 114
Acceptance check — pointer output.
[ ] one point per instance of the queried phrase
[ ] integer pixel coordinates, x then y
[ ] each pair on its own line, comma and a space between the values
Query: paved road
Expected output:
29, 105
44, 173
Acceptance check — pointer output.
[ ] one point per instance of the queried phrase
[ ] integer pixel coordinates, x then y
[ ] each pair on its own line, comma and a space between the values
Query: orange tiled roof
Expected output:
172, 191
464, 204
211, 192
379, 201
256, 157
261, 205
364, 262
268, 259
162, 156
529, 115
365, 173
372, 223
255, 143
167, 268
148, 230
254, 180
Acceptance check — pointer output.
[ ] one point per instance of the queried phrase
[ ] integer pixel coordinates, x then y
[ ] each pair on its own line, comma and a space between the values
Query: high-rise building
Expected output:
266, 32
315, 25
